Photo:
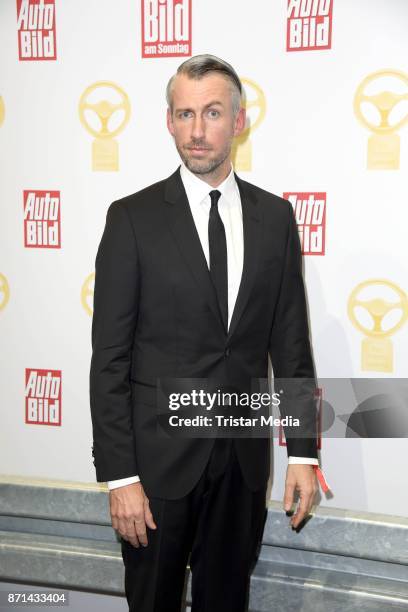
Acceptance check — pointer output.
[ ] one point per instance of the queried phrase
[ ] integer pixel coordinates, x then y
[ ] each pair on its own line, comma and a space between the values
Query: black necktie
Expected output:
218, 255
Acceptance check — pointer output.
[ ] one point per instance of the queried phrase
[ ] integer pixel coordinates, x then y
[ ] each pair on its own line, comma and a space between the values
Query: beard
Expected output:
202, 166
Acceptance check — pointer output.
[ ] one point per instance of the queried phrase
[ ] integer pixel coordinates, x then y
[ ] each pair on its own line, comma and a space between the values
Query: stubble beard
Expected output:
201, 166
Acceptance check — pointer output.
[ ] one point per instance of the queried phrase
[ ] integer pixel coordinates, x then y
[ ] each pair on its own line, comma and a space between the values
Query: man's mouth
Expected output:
198, 149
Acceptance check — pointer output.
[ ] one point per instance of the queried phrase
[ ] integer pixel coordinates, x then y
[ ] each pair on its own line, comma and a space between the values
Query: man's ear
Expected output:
169, 118
240, 120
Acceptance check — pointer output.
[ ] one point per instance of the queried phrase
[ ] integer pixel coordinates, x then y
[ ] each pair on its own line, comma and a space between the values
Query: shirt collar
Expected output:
197, 190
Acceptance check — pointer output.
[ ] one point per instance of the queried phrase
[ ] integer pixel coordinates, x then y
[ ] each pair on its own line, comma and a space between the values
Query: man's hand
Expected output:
130, 513
301, 477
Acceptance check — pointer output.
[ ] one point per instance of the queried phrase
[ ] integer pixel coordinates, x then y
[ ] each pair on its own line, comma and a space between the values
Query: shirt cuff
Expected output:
309, 460
122, 482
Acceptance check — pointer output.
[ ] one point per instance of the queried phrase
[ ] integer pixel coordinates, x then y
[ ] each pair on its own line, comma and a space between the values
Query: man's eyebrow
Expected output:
213, 103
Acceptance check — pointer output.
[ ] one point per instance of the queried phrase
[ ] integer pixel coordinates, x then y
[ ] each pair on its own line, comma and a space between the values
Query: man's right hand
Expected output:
130, 513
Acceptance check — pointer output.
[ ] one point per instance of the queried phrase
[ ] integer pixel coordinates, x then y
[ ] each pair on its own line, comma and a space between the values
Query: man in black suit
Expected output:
197, 277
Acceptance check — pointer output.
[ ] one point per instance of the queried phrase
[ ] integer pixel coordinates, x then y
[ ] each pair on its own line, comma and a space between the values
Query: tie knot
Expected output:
215, 196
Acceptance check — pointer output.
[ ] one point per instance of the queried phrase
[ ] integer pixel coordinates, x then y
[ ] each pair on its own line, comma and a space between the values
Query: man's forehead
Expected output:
211, 85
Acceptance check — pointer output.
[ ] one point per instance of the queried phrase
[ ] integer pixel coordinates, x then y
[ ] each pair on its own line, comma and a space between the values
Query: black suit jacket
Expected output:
156, 316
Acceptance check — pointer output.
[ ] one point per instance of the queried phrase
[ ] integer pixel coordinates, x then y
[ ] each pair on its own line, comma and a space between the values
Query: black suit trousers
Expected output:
219, 524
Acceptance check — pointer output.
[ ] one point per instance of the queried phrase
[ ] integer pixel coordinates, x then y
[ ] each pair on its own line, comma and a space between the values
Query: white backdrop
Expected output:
309, 141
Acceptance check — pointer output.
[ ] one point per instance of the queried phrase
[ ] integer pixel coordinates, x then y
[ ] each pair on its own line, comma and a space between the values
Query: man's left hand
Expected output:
302, 478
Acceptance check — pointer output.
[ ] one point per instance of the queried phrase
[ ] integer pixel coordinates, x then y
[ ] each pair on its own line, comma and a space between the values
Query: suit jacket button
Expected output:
227, 351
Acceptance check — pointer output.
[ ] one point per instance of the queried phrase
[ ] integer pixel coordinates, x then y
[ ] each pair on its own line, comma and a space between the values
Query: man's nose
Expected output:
198, 127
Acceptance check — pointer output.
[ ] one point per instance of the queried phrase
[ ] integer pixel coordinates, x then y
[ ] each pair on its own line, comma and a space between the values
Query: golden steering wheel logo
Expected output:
383, 112
4, 291
87, 292
2, 111
254, 98
104, 119
372, 311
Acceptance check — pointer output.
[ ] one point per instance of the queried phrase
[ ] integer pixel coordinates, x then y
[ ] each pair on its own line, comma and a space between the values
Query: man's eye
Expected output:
185, 114
213, 113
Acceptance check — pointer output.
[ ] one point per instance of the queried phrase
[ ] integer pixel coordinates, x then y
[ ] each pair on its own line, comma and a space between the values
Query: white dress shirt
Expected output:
229, 207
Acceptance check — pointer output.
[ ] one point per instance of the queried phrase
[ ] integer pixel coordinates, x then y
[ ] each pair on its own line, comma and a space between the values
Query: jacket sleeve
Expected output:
115, 309
290, 351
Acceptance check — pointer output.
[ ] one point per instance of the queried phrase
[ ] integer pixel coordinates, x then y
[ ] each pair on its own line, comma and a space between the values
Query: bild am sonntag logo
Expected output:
166, 28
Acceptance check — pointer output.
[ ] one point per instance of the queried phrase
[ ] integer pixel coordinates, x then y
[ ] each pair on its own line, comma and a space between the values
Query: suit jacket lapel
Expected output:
182, 226
251, 230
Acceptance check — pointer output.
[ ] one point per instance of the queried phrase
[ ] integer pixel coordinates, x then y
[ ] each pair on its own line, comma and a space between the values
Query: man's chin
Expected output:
201, 166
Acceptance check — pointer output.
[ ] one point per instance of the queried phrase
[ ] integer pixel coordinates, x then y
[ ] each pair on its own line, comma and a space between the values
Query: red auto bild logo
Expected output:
36, 30
42, 219
42, 397
309, 25
166, 28
310, 213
